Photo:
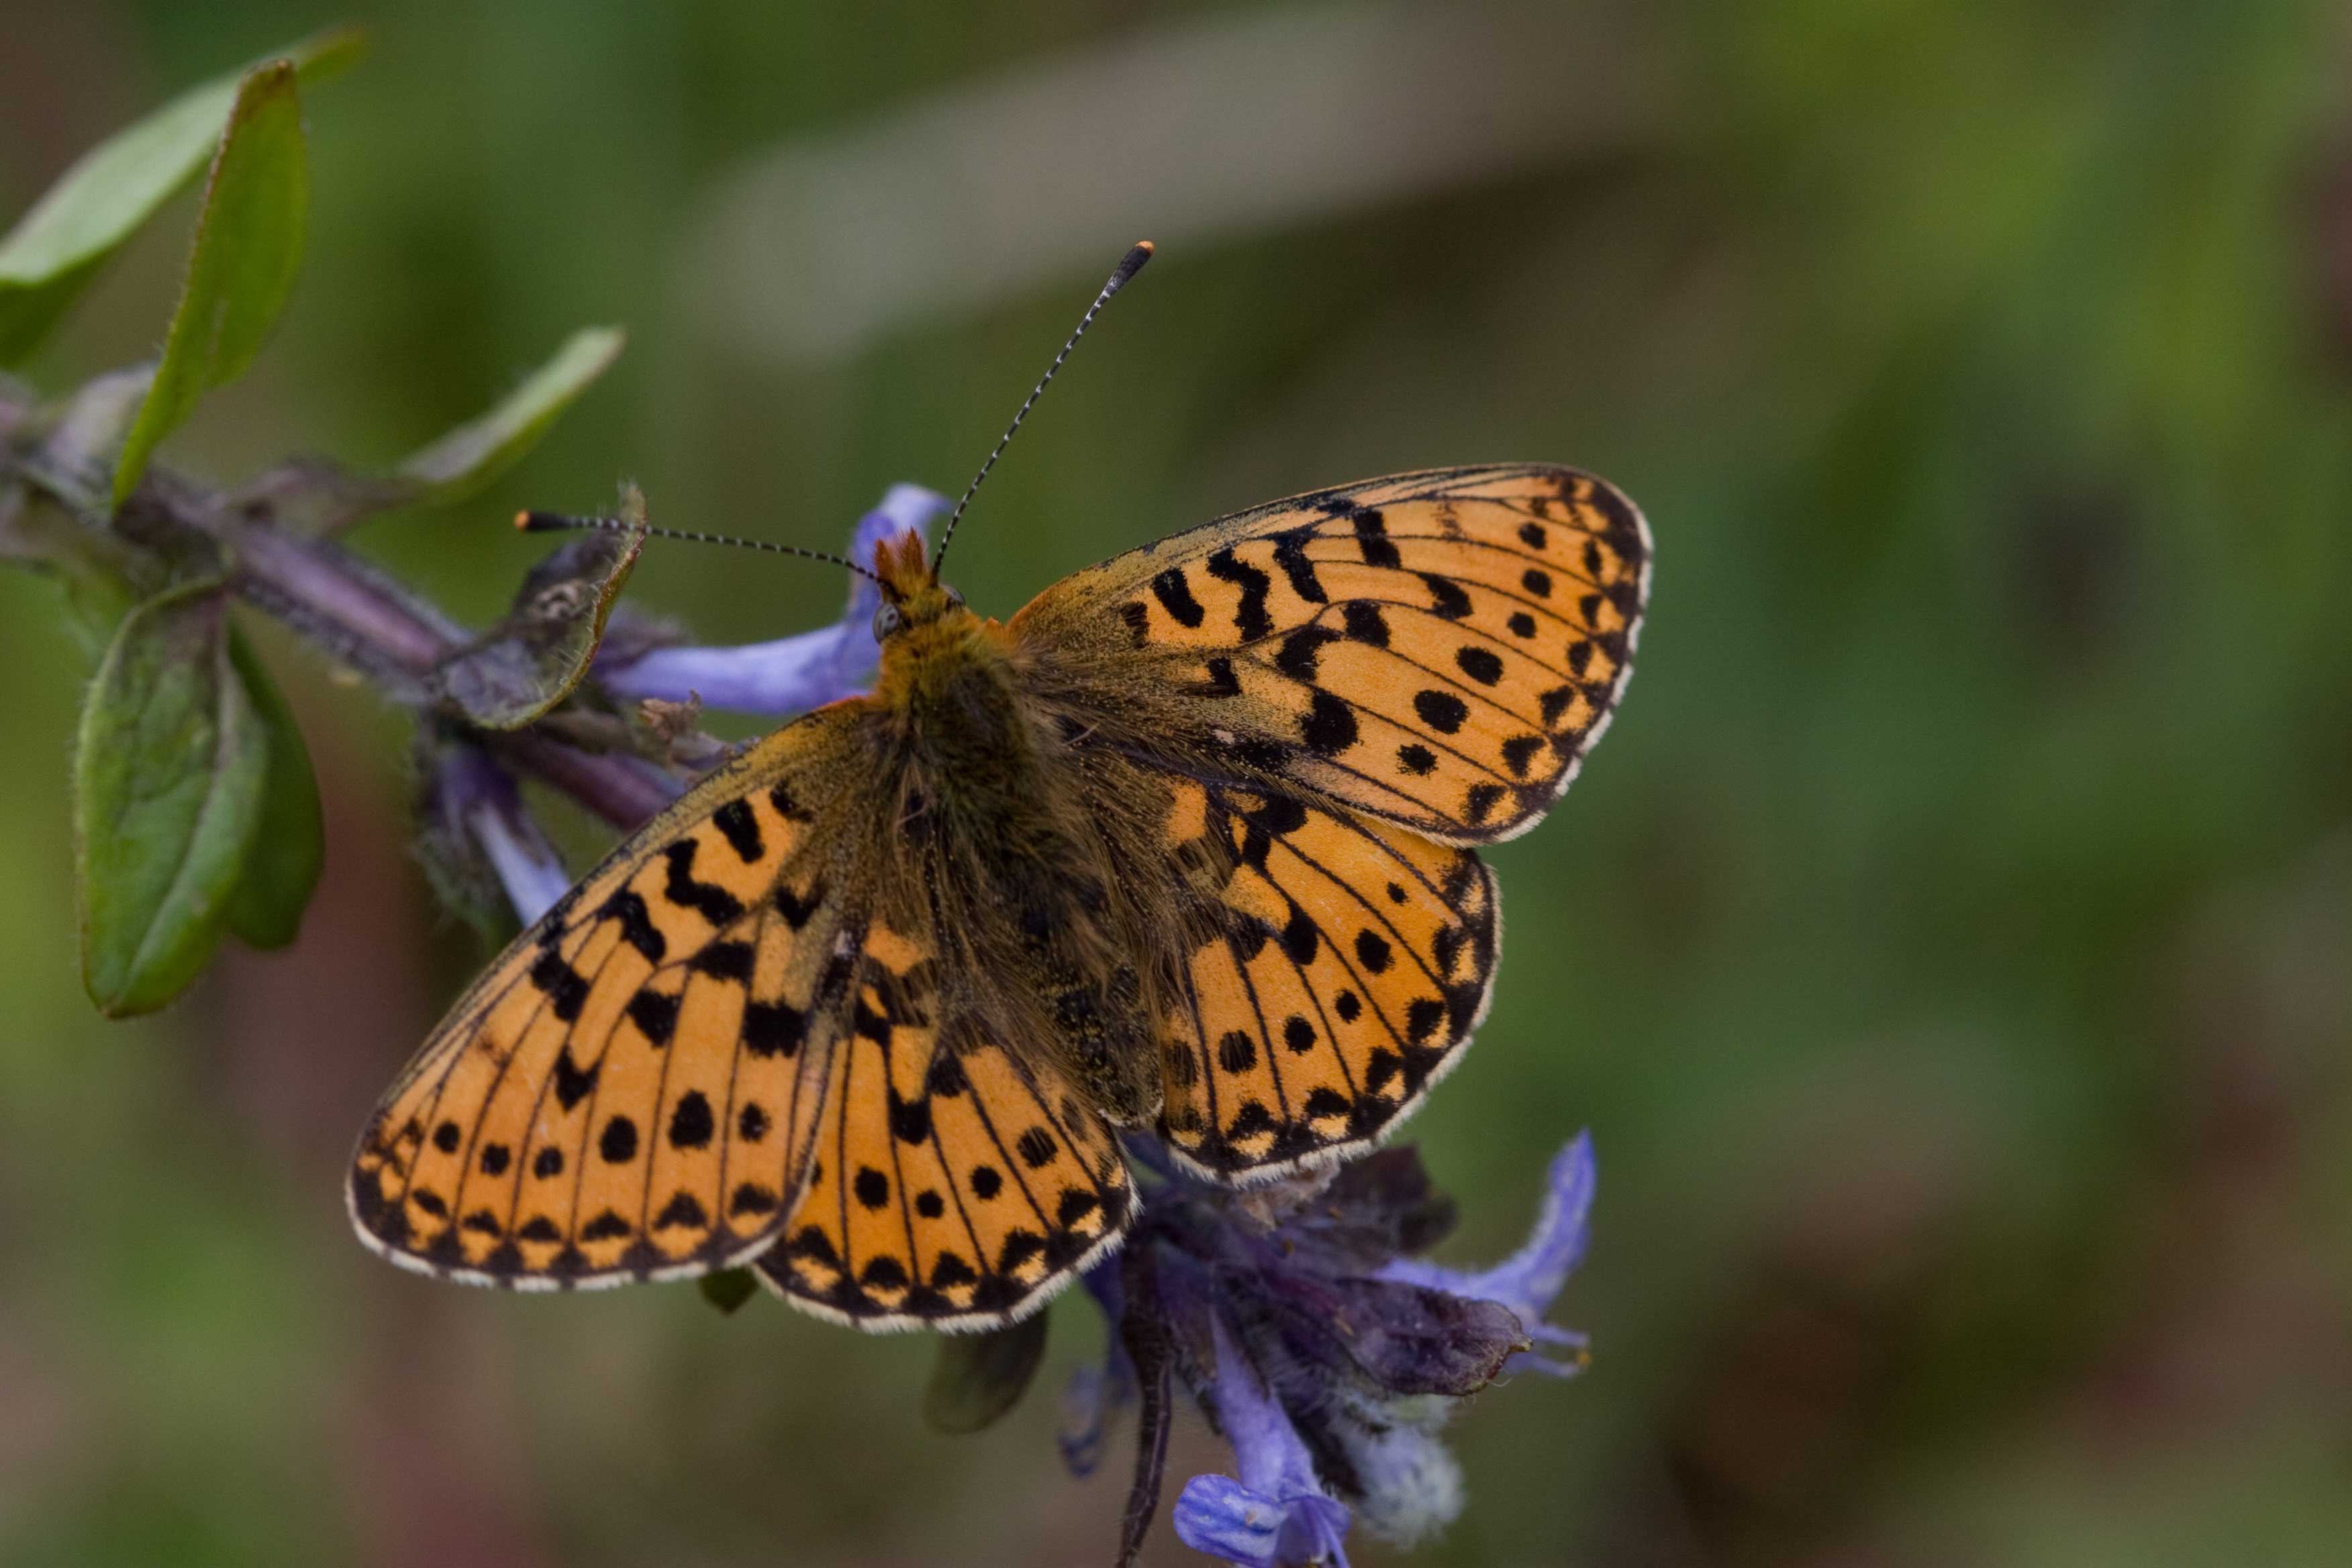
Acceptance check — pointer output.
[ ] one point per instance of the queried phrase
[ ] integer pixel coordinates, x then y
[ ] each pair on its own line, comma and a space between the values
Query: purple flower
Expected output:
791, 674
1277, 1512
1527, 1281
1327, 1355
473, 801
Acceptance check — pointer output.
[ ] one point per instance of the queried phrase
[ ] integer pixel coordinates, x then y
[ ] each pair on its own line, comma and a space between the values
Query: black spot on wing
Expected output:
637, 928
1298, 655
742, 829
910, 1119
691, 1125
1220, 681
1290, 556
1440, 710
713, 903
683, 1209
1481, 665
1365, 623
655, 1014
1175, 596
1446, 597
774, 1028
618, 1142
1250, 617
566, 988
724, 960
797, 907
1329, 725
572, 1084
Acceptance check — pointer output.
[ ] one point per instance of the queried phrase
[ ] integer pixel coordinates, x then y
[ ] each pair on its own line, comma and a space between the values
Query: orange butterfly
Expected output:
1186, 847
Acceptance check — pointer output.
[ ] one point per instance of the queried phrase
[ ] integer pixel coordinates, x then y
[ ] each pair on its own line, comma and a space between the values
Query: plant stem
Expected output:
350, 611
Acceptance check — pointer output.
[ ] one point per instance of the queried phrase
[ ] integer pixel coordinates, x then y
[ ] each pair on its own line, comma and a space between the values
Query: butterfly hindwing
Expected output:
1440, 649
955, 1185
631, 1090
1342, 967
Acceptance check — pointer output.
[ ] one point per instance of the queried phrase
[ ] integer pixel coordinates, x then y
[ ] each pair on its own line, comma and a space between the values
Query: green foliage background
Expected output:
1950, 948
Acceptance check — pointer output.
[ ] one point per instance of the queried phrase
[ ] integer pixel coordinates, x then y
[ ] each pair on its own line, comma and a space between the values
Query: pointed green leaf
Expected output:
57, 247
249, 248
282, 867
467, 458
518, 670
976, 1378
168, 779
728, 1288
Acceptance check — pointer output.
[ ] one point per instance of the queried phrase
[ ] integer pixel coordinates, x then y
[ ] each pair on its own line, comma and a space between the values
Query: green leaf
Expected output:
57, 247
976, 1378
467, 458
169, 772
249, 248
728, 1288
281, 870
523, 667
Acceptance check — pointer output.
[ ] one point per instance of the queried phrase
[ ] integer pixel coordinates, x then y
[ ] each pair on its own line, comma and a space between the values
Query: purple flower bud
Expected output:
1527, 1281
791, 674
1277, 1513
478, 796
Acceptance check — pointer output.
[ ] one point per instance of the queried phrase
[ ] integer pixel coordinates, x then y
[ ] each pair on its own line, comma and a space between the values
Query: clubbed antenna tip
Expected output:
1129, 266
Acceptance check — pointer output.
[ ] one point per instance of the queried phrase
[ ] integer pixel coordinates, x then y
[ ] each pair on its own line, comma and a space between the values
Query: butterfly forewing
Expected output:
1440, 648
633, 1088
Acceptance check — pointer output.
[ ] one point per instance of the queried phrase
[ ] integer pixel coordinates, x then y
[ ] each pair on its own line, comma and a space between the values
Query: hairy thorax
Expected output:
1061, 949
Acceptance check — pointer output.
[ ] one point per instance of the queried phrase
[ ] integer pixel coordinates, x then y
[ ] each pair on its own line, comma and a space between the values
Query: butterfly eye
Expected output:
886, 620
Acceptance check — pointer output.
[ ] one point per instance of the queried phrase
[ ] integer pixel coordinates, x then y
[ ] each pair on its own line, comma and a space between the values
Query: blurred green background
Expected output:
1950, 948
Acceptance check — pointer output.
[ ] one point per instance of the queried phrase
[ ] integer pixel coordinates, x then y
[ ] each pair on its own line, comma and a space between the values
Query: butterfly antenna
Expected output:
551, 522
1129, 265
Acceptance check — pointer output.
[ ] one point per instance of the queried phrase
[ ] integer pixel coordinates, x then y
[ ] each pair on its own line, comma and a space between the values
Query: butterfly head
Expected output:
913, 597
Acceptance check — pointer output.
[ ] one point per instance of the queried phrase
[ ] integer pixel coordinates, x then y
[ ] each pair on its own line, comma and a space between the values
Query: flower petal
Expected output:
1277, 1511
1218, 1515
480, 795
1527, 1281
791, 674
